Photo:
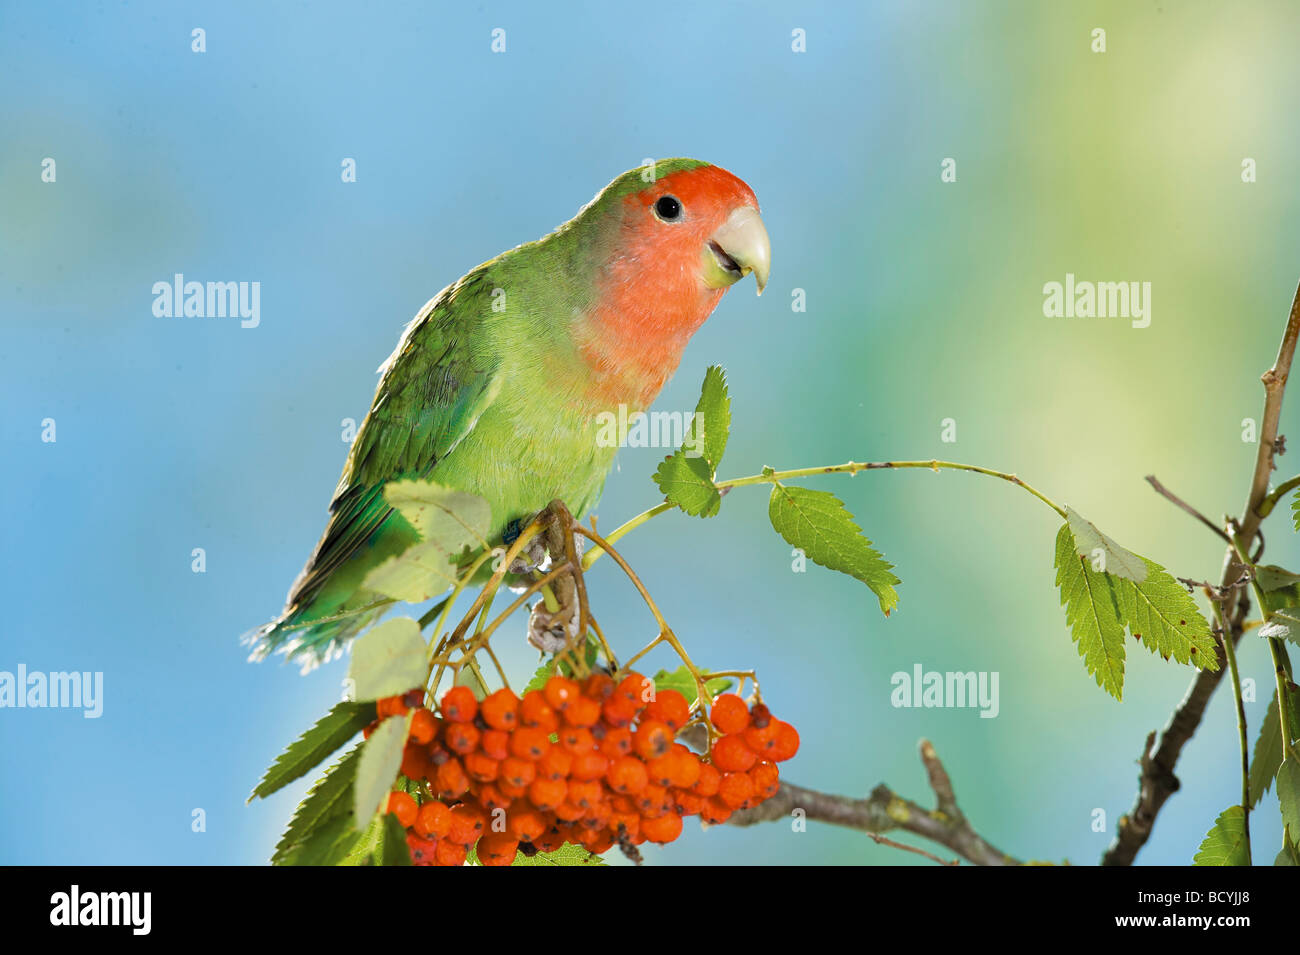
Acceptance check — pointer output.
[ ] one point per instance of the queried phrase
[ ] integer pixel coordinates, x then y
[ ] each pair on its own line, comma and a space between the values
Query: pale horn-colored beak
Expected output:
740, 246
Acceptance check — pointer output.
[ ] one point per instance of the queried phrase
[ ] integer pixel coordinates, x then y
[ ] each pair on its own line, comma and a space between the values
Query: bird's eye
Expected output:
668, 208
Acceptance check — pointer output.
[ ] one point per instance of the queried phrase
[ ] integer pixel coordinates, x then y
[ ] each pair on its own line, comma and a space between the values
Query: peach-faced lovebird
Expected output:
495, 387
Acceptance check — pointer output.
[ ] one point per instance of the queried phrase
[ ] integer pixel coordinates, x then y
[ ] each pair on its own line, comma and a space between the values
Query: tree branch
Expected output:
1156, 781
884, 811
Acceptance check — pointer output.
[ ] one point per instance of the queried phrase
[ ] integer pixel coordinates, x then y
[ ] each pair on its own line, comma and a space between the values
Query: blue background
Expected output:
924, 301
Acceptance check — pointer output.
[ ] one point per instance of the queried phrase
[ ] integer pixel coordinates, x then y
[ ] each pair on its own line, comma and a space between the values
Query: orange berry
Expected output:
415, 762
555, 763
589, 765
715, 812
662, 829
391, 706
785, 744
550, 840
616, 741
501, 710
767, 780
424, 725
707, 784
433, 820
459, 705
670, 707
450, 780
735, 789
577, 739
370, 728
491, 798
509, 789
497, 848
685, 802
467, 823
628, 823
450, 853
731, 755
560, 691
524, 822
618, 711
584, 793
627, 775
599, 687
535, 711
546, 794
583, 711
496, 743
568, 812
652, 738
686, 767
461, 737
652, 800
481, 767
660, 769
423, 851
729, 714
404, 807
597, 841
518, 772
529, 742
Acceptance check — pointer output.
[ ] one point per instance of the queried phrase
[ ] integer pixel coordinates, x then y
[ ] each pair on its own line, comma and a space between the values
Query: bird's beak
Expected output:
740, 246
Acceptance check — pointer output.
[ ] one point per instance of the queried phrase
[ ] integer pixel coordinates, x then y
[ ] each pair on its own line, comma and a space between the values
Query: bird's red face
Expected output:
683, 240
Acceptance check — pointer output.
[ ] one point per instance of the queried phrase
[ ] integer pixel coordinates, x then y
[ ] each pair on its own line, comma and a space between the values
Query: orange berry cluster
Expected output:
588, 763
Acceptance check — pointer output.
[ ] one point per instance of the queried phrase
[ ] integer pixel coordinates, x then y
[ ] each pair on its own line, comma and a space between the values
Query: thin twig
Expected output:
1179, 502
884, 811
1157, 781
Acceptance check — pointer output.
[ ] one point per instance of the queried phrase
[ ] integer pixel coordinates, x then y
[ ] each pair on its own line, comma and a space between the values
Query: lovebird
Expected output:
495, 387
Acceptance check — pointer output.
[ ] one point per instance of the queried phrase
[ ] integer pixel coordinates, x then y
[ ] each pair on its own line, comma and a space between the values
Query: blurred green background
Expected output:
924, 302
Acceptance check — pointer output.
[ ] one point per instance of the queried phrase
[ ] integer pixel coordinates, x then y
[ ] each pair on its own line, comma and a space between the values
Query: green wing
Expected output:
432, 390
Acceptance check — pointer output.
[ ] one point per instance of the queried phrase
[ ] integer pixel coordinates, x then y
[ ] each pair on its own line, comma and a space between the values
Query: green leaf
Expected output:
818, 523
328, 845
388, 661
392, 849
1092, 612
1288, 792
1267, 756
1226, 843
328, 799
682, 681
1295, 509
441, 515
1272, 577
713, 412
1096, 547
331, 731
447, 521
381, 757
1289, 855
688, 483
568, 854
1163, 615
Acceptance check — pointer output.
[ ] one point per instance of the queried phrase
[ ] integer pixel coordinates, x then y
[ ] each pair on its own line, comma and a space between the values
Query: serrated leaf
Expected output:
819, 524
1094, 546
447, 521
688, 483
392, 849
389, 660
1267, 755
1272, 577
682, 681
1226, 844
1092, 611
1288, 793
441, 515
1295, 510
381, 757
1289, 854
329, 798
713, 412
331, 731
362, 850
1162, 614
568, 854
328, 845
